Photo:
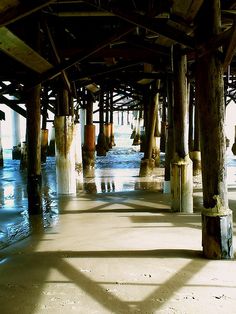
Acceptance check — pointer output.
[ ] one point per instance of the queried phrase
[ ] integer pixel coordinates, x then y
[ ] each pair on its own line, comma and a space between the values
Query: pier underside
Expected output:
115, 247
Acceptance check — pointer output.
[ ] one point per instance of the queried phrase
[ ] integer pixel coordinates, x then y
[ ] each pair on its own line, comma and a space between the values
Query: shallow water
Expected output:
117, 172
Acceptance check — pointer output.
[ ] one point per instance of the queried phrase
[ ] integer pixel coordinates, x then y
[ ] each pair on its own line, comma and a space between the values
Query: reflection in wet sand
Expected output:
117, 172
15, 223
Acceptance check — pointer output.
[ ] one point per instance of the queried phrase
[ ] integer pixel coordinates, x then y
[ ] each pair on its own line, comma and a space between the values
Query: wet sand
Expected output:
114, 249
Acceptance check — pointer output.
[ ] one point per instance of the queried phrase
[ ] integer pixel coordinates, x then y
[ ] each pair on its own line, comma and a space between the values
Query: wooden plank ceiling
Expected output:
108, 43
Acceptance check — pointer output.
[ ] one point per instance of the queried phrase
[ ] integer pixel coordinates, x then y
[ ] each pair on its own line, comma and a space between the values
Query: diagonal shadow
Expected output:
169, 288
106, 299
115, 304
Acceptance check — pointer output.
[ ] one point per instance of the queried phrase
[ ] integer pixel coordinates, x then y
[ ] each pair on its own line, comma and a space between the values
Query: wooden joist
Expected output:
52, 73
57, 57
155, 25
13, 10
16, 48
231, 48
13, 105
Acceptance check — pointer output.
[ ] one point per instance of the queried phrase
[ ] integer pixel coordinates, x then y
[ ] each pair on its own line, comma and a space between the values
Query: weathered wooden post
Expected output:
169, 154
144, 114
44, 130
101, 146
88, 149
196, 153
194, 139
23, 159
163, 128
122, 117
111, 120
16, 136
1, 148
78, 150
65, 144
128, 120
234, 144
51, 146
82, 120
33, 135
181, 165
136, 131
148, 163
107, 125
217, 224
134, 125
191, 120
33, 149
156, 141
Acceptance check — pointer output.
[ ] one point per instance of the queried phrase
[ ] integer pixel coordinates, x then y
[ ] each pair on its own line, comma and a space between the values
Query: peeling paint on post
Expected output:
16, 138
65, 154
78, 149
182, 185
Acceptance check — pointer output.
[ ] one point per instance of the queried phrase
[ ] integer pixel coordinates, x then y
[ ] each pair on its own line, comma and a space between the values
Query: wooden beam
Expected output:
231, 48
52, 73
187, 9
12, 104
155, 25
154, 48
83, 13
193, 10
211, 45
144, 52
24, 8
57, 57
16, 48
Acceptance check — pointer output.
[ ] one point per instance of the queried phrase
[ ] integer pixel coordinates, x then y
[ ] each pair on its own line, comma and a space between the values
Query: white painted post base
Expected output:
182, 185
78, 149
166, 187
65, 154
16, 136
196, 159
51, 147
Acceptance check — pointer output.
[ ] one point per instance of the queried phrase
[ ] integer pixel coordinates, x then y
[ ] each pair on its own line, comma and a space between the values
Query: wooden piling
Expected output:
1, 148
136, 131
148, 163
44, 144
112, 140
234, 144
78, 150
65, 154
51, 146
16, 136
169, 154
181, 165
88, 149
217, 224
33, 150
101, 146
44, 130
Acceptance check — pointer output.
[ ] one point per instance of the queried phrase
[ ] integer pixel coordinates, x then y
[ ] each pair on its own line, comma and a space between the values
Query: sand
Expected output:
122, 252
